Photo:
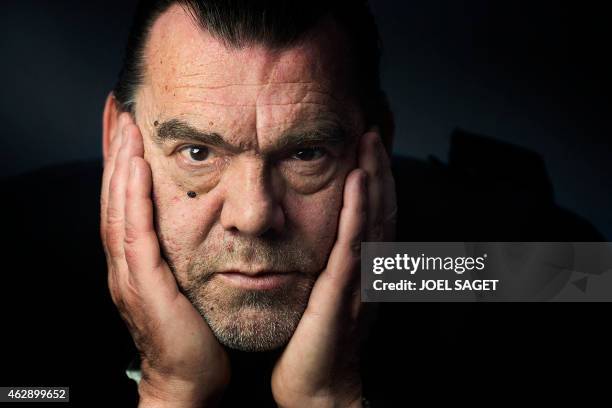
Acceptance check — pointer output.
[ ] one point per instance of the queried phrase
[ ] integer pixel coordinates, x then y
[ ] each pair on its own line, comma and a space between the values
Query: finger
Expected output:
147, 270
115, 216
389, 208
320, 327
382, 208
117, 265
109, 168
336, 282
370, 162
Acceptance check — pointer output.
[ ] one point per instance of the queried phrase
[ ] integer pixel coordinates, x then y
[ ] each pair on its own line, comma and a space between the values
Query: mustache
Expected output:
254, 254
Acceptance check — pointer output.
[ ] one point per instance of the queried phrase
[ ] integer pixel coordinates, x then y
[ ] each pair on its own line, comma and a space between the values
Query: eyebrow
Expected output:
174, 129
319, 131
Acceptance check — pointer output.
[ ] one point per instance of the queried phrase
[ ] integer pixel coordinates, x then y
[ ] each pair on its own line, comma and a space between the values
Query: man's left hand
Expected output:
320, 365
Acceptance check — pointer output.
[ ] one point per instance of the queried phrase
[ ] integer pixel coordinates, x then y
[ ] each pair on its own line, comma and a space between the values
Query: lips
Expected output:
261, 280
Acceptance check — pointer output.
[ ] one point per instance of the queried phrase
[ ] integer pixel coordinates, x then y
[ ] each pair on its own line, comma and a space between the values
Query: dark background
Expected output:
526, 72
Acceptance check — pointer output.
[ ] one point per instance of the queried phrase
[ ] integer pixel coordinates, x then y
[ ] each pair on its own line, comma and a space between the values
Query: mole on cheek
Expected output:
155, 123
191, 194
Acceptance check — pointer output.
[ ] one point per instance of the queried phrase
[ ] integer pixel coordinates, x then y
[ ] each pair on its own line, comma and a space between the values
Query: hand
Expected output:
183, 364
320, 366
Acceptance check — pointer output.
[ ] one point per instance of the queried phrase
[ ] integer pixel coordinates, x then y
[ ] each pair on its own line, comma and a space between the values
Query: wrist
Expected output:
172, 393
327, 403
343, 399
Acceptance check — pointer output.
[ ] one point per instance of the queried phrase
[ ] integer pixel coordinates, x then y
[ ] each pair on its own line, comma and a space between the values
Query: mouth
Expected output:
257, 281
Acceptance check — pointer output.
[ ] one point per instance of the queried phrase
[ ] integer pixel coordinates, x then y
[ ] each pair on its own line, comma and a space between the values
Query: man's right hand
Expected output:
183, 364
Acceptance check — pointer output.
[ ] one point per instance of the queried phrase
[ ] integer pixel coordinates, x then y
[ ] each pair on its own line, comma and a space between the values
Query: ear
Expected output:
110, 121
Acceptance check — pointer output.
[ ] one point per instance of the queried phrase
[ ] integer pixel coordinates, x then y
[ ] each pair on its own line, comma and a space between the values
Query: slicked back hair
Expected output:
273, 23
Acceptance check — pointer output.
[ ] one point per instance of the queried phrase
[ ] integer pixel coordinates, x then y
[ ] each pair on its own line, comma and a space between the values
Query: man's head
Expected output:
258, 108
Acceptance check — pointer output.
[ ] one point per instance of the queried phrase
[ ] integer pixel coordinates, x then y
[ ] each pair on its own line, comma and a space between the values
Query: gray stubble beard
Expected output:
252, 320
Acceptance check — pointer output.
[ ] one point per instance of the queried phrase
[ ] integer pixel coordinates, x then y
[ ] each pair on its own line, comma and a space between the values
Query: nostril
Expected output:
251, 217
250, 204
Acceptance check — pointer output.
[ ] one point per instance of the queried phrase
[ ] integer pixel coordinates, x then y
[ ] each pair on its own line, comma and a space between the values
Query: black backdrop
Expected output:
528, 73
532, 73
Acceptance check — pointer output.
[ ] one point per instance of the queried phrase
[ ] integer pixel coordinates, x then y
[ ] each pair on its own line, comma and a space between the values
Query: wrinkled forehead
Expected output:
192, 75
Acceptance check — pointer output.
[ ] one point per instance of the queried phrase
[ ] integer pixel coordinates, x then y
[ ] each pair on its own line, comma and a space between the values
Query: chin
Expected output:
252, 328
251, 320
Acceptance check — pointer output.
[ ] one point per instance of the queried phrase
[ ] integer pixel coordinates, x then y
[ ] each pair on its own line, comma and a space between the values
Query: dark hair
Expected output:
274, 23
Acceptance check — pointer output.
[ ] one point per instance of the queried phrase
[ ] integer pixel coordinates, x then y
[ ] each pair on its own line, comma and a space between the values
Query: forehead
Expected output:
191, 75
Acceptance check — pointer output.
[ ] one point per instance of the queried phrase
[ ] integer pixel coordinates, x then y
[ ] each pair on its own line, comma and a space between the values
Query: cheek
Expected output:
182, 222
315, 216
305, 183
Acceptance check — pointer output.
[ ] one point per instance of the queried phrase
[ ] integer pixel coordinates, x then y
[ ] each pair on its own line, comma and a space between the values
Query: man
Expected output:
243, 167
60, 326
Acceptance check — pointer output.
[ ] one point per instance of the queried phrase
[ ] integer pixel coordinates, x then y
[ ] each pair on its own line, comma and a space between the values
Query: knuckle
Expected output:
113, 244
130, 250
355, 248
131, 234
114, 216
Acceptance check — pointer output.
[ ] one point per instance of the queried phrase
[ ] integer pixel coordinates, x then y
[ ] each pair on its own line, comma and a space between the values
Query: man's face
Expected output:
265, 139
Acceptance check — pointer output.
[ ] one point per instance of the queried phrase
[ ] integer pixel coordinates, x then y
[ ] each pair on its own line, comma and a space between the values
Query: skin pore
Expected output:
265, 138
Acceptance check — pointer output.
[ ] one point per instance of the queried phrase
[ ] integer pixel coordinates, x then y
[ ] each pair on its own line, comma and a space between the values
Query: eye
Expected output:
309, 154
196, 153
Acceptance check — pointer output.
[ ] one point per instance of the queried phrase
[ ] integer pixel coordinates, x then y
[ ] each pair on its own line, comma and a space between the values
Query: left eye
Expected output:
196, 153
308, 154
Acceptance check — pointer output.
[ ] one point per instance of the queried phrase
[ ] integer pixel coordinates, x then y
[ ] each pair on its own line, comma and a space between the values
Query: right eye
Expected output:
195, 153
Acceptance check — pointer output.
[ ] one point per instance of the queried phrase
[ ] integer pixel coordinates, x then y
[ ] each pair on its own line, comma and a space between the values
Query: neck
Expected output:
251, 375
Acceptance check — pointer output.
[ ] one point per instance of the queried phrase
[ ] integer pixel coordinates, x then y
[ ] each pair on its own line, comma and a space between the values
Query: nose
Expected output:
251, 205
